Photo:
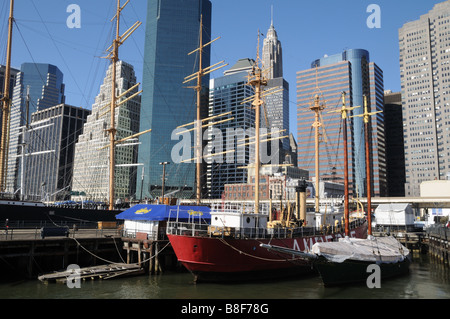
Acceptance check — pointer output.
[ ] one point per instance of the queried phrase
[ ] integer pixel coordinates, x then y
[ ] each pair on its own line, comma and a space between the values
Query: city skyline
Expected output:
306, 29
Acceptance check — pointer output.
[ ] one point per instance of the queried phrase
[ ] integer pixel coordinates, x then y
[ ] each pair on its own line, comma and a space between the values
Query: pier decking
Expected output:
23, 252
97, 272
156, 255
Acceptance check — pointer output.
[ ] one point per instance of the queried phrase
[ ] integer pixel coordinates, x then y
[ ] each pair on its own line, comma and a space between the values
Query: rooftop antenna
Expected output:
271, 15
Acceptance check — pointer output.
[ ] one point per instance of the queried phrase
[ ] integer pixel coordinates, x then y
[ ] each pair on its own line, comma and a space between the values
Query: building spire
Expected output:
271, 15
272, 55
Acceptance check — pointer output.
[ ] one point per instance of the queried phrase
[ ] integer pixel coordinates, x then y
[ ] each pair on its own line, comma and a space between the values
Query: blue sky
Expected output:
307, 30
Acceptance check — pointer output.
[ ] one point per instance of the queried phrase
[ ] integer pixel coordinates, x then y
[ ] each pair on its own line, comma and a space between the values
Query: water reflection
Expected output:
428, 279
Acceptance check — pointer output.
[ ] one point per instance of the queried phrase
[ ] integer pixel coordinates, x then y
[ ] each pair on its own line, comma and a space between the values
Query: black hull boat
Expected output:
350, 260
354, 260
356, 272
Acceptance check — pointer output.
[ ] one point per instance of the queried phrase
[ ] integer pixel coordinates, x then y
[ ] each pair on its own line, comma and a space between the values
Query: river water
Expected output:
428, 279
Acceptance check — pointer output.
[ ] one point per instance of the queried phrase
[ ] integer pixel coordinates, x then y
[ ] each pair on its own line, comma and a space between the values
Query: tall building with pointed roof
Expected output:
277, 104
272, 57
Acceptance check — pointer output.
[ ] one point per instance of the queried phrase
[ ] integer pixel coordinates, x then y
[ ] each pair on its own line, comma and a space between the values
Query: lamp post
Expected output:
163, 178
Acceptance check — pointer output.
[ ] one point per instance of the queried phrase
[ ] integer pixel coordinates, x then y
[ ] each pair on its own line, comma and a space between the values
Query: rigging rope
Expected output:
257, 257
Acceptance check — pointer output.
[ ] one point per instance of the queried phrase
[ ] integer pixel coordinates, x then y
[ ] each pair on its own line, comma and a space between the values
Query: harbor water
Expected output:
428, 279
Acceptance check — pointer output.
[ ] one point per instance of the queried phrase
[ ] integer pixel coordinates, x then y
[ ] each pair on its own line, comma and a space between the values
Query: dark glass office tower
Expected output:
172, 32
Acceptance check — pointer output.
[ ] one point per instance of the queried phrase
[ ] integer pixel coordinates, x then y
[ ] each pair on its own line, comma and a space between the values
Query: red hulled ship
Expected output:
229, 247
226, 253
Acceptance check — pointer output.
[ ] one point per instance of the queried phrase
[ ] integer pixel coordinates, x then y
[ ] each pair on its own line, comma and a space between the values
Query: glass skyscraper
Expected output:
46, 89
351, 72
51, 145
226, 95
172, 32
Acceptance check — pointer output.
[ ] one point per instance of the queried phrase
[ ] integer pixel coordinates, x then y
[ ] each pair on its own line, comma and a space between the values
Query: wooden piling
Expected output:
439, 246
157, 266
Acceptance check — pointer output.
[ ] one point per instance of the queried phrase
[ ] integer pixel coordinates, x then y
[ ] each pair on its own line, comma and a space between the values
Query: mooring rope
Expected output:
112, 262
85, 249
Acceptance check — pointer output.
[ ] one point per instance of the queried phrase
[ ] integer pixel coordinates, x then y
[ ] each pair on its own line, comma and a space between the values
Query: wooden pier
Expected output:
154, 255
97, 272
439, 246
25, 255
414, 241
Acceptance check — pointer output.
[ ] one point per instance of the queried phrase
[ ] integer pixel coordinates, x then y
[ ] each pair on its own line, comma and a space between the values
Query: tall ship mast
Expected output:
114, 57
366, 116
344, 114
39, 210
198, 126
258, 81
6, 105
317, 107
229, 247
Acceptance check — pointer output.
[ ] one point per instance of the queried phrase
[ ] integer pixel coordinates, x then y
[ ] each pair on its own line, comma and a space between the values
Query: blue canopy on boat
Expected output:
164, 212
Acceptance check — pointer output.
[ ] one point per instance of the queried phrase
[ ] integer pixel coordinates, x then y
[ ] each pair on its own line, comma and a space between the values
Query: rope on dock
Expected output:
112, 262
78, 243
151, 257
117, 248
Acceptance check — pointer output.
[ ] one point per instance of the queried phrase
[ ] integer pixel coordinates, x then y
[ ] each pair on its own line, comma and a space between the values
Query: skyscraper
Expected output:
226, 95
351, 72
13, 77
172, 32
272, 54
395, 152
425, 78
277, 104
46, 89
91, 164
50, 149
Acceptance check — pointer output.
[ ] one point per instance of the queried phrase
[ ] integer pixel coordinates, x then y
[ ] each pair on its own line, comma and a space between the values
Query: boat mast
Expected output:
112, 130
199, 134
257, 80
317, 107
114, 57
344, 129
198, 88
6, 107
344, 116
366, 116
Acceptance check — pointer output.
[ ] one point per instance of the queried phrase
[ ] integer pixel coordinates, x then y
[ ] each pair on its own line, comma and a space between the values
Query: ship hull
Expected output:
37, 213
226, 259
357, 272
